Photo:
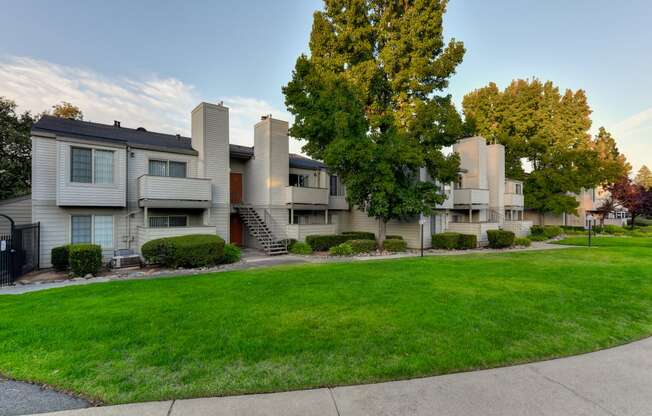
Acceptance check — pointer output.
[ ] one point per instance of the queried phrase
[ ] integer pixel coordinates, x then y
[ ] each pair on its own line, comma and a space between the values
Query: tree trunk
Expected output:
633, 221
382, 231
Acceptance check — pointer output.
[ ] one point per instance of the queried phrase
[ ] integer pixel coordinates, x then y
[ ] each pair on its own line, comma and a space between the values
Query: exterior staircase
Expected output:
261, 231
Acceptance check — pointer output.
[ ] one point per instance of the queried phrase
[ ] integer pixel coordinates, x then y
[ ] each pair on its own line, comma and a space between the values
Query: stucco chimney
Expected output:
496, 176
271, 153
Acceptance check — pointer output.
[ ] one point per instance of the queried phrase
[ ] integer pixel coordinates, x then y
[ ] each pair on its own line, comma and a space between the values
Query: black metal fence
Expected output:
19, 252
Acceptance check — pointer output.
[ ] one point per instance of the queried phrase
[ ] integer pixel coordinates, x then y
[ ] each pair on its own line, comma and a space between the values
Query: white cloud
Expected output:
634, 135
158, 104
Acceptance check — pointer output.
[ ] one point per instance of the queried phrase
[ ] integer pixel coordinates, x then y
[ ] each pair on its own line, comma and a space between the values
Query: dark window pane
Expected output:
178, 169
158, 167
80, 229
178, 221
294, 179
158, 222
333, 185
81, 165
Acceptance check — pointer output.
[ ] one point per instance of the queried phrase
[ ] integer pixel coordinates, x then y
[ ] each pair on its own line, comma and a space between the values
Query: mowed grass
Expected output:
608, 242
306, 326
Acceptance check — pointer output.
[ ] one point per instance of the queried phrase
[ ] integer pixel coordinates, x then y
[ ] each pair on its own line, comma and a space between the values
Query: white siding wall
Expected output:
356, 220
90, 194
19, 209
477, 229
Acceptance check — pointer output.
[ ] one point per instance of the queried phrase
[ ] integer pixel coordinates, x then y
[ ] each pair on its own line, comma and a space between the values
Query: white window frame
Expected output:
93, 228
92, 182
149, 219
167, 166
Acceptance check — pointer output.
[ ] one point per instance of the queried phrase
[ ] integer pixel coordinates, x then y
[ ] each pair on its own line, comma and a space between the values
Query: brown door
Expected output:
236, 188
236, 230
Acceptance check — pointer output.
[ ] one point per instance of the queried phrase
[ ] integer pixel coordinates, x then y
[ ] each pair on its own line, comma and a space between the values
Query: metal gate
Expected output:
19, 252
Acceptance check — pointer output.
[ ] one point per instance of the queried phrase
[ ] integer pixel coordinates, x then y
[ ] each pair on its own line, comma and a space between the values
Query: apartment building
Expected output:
121, 187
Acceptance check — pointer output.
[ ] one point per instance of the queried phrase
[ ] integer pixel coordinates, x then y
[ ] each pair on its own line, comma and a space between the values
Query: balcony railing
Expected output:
470, 196
514, 200
305, 195
171, 192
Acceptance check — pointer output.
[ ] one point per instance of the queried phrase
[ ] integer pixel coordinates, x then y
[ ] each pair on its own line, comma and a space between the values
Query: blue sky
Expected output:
149, 62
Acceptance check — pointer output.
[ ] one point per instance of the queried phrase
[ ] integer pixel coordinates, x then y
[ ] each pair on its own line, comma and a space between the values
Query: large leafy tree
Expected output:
66, 110
549, 130
365, 102
644, 177
632, 196
16, 150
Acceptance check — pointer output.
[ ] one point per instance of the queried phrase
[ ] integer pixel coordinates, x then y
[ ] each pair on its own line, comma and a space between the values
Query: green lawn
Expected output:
317, 325
607, 241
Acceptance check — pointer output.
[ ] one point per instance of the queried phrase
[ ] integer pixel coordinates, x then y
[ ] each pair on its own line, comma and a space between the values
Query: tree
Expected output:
67, 110
550, 130
632, 196
607, 206
365, 102
15, 158
644, 177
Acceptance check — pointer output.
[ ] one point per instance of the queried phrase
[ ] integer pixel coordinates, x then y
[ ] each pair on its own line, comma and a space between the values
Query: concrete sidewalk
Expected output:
612, 382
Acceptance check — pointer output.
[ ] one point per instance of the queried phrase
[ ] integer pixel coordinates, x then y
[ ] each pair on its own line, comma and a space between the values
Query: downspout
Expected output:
127, 197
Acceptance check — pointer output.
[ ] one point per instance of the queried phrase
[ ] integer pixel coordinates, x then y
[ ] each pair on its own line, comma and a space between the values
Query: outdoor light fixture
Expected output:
589, 221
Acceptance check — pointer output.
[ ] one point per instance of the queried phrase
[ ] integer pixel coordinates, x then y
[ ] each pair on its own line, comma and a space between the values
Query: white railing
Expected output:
304, 195
167, 187
470, 196
514, 200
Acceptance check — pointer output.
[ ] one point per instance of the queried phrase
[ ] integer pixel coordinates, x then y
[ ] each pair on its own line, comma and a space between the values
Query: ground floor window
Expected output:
310, 217
95, 229
166, 221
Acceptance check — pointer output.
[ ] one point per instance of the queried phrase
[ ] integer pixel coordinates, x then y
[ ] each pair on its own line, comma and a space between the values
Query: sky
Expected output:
148, 63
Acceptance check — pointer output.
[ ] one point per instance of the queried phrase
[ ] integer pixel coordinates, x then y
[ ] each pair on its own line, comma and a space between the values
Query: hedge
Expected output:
537, 237
500, 238
231, 254
552, 231
359, 235
394, 245
467, 242
325, 242
185, 251
85, 259
300, 248
393, 237
445, 241
522, 241
60, 258
343, 249
363, 246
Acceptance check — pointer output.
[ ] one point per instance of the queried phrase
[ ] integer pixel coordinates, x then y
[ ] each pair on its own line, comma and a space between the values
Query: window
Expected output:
91, 165
166, 221
167, 168
300, 181
334, 183
458, 183
96, 229
517, 188
81, 229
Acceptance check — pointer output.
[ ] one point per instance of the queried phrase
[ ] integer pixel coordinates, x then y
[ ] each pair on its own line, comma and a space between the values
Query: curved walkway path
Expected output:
616, 381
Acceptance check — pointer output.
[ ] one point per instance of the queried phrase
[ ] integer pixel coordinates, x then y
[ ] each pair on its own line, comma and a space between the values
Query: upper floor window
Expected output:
167, 168
518, 188
298, 180
91, 165
458, 182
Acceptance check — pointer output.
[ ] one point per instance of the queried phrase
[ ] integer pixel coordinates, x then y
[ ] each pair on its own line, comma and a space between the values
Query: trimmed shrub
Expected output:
343, 249
85, 259
445, 241
325, 242
359, 235
290, 242
613, 229
522, 242
60, 258
394, 245
467, 242
393, 237
552, 231
500, 238
536, 237
231, 254
536, 230
185, 251
363, 246
300, 248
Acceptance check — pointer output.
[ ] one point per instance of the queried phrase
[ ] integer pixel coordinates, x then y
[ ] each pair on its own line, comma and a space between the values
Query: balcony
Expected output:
514, 200
338, 202
468, 197
448, 202
306, 196
170, 192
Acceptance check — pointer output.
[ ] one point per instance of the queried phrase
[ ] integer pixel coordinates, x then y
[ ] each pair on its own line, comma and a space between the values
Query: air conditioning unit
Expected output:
125, 258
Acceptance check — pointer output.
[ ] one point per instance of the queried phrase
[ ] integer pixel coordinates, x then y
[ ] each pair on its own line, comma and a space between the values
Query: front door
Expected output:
236, 230
236, 188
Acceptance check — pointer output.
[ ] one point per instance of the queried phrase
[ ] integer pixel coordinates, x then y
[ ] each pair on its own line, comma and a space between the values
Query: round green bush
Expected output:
536, 230
301, 248
85, 259
467, 242
500, 238
343, 249
522, 242
445, 241
363, 246
60, 258
395, 246
184, 251
231, 254
552, 231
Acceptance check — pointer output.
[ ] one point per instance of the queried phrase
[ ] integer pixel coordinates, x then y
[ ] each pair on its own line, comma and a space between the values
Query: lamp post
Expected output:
589, 220
422, 221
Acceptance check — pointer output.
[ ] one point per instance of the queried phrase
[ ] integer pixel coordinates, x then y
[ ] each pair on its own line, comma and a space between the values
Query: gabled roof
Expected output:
142, 138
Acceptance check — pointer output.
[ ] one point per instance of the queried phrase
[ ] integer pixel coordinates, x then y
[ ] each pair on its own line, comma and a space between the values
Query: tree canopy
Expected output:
365, 102
66, 110
16, 155
644, 177
632, 196
549, 130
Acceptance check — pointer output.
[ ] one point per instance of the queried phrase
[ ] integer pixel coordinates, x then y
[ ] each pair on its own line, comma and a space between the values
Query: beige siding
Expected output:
162, 187
44, 169
356, 220
19, 209
477, 229
83, 194
300, 232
